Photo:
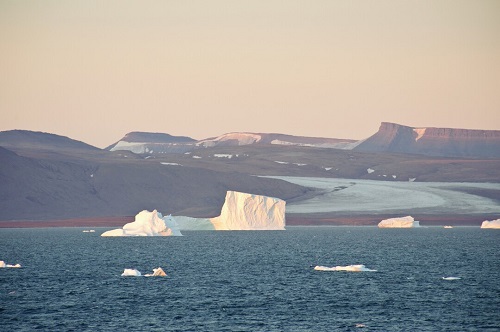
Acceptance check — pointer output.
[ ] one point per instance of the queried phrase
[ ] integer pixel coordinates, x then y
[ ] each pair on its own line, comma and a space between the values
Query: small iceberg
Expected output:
131, 273
448, 226
148, 224
491, 224
401, 222
451, 278
3, 264
349, 268
158, 272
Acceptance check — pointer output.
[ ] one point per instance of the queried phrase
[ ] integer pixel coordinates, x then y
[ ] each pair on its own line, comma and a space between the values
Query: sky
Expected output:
94, 71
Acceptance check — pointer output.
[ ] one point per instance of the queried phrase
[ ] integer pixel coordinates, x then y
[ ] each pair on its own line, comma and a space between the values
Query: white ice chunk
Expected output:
349, 268
131, 273
221, 155
491, 224
370, 170
170, 164
158, 272
148, 224
451, 278
3, 264
400, 222
281, 162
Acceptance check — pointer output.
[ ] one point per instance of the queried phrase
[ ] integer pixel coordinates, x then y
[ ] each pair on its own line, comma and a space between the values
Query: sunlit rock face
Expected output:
242, 211
446, 142
148, 224
401, 222
491, 224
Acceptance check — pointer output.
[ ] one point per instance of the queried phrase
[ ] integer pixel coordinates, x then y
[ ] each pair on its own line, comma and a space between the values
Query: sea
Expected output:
70, 280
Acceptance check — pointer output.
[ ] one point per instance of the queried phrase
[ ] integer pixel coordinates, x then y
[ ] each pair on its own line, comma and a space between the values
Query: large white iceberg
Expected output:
242, 211
491, 224
148, 224
401, 222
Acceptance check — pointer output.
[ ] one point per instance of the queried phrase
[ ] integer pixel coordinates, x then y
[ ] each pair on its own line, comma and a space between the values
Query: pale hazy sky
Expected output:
94, 71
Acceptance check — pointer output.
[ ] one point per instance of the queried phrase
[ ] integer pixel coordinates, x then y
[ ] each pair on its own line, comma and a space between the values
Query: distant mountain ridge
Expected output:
46, 176
443, 142
40, 140
163, 143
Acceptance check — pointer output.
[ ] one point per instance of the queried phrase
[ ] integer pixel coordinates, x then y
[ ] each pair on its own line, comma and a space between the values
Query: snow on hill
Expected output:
154, 143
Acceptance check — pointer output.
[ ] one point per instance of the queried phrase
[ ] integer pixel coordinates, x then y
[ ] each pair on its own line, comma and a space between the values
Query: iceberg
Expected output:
242, 211
491, 224
401, 222
3, 264
451, 278
158, 272
148, 224
349, 268
131, 273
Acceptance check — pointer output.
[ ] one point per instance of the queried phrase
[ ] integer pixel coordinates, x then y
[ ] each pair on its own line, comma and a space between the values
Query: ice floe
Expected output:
148, 224
451, 278
131, 273
3, 264
158, 272
491, 224
400, 222
171, 164
349, 268
370, 170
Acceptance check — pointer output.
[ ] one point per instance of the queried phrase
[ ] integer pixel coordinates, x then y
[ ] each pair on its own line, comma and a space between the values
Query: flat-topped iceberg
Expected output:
3, 264
400, 222
242, 211
348, 268
491, 224
148, 224
158, 272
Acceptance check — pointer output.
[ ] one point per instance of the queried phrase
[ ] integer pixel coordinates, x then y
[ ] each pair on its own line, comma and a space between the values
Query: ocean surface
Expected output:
252, 281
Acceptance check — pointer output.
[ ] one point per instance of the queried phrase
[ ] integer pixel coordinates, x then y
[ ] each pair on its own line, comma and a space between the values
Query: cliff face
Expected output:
445, 142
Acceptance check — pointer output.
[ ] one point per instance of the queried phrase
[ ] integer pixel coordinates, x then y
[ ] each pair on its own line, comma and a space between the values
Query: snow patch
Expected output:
148, 224
196, 157
282, 162
241, 138
370, 170
420, 132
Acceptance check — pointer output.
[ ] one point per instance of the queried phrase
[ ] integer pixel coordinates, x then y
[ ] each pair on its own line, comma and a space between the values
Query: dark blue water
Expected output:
252, 281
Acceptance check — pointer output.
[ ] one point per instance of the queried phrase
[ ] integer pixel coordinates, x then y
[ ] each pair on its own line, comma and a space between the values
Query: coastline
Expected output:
291, 220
